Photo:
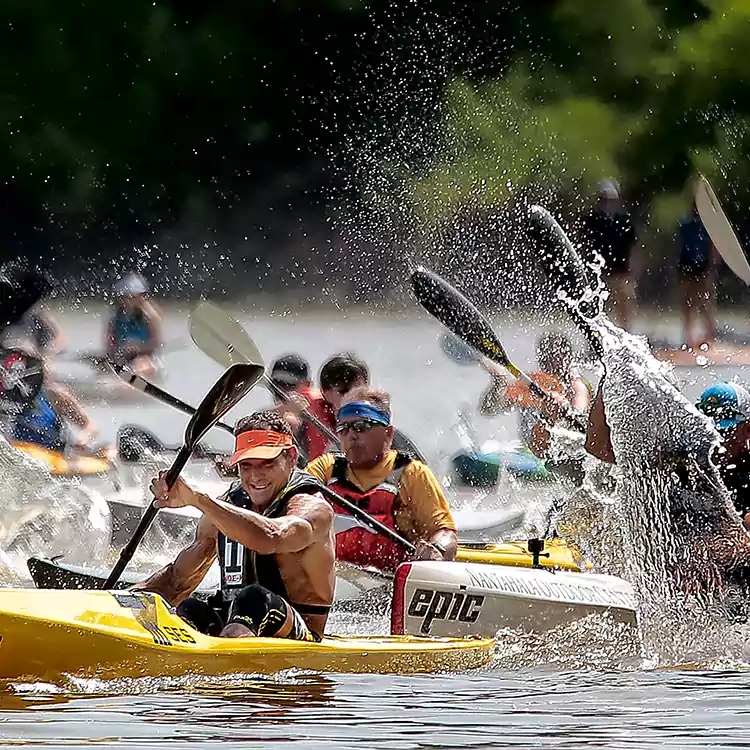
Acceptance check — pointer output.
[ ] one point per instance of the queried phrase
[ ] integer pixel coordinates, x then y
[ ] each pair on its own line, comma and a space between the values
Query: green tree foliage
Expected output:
119, 110
647, 92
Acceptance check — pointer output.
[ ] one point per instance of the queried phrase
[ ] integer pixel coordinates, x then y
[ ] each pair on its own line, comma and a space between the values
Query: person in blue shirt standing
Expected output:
697, 269
608, 230
134, 330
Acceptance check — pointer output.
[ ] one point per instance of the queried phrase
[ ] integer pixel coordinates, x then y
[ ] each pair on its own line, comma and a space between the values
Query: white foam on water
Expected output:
42, 515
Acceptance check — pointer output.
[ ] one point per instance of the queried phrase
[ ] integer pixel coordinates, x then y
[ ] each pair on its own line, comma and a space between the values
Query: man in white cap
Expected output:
134, 329
608, 230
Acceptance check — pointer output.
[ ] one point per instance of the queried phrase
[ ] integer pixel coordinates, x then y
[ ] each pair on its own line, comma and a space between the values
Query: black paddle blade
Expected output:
133, 443
561, 262
227, 392
21, 377
566, 270
457, 314
20, 289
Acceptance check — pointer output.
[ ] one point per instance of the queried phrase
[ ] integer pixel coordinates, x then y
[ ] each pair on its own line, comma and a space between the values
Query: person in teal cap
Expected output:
728, 404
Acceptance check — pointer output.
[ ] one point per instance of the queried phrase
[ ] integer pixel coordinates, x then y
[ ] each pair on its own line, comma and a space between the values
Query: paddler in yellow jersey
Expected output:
555, 375
396, 489
273, 535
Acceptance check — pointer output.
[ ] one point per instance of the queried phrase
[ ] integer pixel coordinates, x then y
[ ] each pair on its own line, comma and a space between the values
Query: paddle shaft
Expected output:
129, 550
140, 384
310, 418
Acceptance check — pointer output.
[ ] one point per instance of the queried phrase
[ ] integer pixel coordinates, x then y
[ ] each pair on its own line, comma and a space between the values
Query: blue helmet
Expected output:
727, 404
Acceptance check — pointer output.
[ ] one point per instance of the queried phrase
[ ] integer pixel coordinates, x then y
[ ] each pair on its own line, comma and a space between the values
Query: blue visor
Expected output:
362, 410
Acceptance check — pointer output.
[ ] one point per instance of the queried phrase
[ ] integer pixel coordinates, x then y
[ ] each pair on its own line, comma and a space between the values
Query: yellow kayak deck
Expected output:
46, 634
557, 554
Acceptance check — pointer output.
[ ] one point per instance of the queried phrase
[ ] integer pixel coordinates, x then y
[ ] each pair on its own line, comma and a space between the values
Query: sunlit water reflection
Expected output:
522, 708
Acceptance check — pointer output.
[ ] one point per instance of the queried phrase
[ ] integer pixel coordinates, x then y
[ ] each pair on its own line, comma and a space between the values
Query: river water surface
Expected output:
565, 690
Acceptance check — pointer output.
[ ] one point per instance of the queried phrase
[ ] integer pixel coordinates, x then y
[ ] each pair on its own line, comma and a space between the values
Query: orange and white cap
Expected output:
262, 444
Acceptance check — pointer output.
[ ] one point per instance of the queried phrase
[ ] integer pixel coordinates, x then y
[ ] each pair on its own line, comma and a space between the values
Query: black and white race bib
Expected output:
234, 563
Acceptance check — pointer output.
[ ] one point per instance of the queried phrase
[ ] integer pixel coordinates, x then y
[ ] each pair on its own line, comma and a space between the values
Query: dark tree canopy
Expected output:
124, 119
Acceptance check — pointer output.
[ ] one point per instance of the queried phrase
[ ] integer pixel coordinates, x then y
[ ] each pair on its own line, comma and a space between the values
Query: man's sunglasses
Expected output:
358, 425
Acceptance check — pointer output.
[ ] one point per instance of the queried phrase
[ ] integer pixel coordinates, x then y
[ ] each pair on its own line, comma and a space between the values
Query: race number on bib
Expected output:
234, 563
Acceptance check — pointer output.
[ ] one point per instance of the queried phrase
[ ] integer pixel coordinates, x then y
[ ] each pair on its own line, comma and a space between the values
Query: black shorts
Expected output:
255, 607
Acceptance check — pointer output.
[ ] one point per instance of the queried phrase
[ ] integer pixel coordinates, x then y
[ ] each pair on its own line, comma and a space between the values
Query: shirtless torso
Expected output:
301, 543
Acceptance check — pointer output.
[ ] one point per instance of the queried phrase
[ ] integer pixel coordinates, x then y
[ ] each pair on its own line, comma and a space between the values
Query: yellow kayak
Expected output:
62, 466
46, 634
556, 554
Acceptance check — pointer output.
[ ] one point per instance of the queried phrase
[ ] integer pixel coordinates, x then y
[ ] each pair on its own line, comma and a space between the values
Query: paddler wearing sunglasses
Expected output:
393, 487
273, 535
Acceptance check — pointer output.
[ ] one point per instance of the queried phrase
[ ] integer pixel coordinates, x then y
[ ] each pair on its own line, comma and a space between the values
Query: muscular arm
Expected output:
423, 503
308, 519
598, 441
179, 579
447, 540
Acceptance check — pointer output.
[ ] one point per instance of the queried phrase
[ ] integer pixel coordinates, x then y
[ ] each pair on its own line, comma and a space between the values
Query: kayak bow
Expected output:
47, 635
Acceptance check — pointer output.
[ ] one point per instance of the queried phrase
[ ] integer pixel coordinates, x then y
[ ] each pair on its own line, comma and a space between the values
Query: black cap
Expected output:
291, 369
21, 287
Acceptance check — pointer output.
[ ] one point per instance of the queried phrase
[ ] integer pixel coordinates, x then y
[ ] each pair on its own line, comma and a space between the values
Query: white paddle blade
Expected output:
221, 338
720, 230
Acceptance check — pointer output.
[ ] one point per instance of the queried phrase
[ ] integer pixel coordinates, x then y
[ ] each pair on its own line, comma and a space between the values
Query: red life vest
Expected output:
316, 443
361, 546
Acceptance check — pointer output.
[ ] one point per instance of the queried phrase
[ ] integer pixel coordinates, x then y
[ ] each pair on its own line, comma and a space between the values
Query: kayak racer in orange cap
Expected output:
273, 535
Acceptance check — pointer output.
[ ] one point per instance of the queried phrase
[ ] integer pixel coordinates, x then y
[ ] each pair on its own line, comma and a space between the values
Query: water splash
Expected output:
48, 516
597, 641
667, 525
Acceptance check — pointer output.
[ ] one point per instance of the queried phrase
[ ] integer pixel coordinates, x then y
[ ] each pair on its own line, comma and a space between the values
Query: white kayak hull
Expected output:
435, 598
488, 525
